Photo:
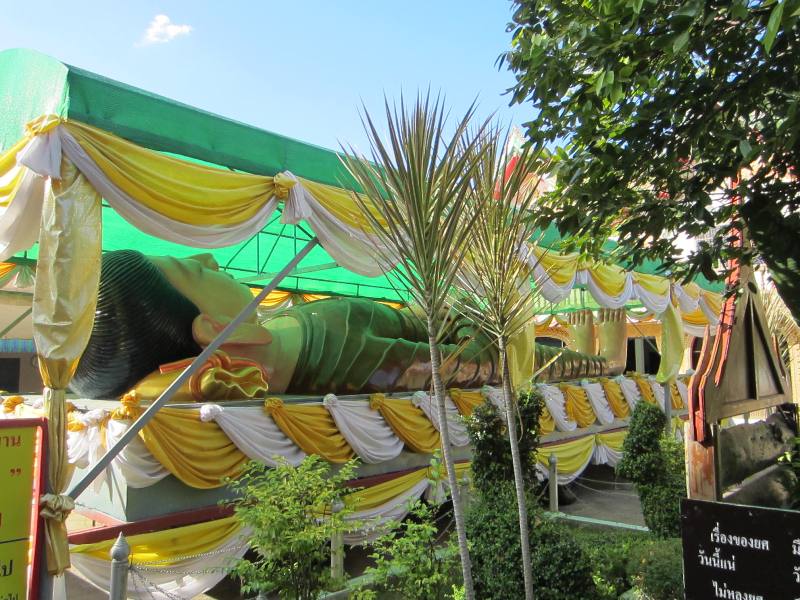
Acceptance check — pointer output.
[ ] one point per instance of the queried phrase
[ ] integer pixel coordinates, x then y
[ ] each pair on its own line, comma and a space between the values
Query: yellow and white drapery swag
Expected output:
223, 437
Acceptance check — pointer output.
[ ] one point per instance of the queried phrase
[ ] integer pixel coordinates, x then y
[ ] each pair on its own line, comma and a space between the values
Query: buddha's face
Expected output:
215, 293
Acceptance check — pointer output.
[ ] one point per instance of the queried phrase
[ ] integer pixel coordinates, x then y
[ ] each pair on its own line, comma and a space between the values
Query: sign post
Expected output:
22, 444
740, 552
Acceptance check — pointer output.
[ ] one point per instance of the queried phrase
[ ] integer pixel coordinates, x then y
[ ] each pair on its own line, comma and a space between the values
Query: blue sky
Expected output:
297, 68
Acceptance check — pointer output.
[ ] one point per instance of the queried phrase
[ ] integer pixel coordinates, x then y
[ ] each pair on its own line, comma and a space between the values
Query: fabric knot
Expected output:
330, 400
129, 408
42, 125
209, 412
273, 404
283, 182
12, 402
376, 401
56, 507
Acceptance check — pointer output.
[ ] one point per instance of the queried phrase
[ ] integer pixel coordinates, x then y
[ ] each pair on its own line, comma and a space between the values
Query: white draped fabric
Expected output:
605, 455
556, 404
19, 225
254, 432
183, 579
604, 299
456, 427
549, 289
364, 429
134, 464
658, 391
376, 519
600, 406
629, 390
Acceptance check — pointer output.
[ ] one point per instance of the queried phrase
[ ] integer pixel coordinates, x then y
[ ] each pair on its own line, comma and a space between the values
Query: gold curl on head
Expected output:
376, 401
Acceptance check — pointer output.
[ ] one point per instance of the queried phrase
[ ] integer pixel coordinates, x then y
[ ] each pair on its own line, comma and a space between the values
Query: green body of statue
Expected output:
338, 345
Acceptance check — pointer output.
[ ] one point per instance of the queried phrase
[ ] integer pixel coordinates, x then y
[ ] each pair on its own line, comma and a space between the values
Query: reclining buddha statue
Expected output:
154, 314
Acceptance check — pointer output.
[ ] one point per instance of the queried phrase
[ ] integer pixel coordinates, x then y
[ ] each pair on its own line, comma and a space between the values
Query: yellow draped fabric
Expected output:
171, 545
613, 439
64, 301
311, 427
645, 389
275, 299
341, 204
609, 278
546, 422
577, 405
675, 395
616, 399
180, 190
465, 401
672, 341
571, 455
561, 268
408, 422
196, 452
373, 496
654, 284
6, 268
521, 353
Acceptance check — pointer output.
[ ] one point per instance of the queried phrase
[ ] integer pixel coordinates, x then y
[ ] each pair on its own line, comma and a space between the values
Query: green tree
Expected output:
420, 206
495, 288
657, 112
287, 510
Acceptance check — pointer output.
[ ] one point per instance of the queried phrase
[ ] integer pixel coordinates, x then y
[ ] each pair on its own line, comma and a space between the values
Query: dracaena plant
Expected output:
418, 202
495, 279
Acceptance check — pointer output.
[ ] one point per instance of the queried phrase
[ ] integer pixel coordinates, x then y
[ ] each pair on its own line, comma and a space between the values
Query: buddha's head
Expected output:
156, 310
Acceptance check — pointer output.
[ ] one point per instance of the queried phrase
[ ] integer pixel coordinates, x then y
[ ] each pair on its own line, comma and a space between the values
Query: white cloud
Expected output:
162, 30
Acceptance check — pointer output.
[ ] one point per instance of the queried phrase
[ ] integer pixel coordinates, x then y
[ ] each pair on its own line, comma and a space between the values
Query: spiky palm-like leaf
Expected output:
495, 280
418, 202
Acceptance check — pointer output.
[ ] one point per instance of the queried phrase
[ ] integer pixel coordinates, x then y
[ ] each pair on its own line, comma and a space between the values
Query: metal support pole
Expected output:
120, 563
337, 548
638, 354
667, 387
552, 481
167, 394
15, 322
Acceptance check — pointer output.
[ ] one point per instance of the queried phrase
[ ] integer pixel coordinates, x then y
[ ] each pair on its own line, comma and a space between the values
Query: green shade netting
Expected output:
33, 84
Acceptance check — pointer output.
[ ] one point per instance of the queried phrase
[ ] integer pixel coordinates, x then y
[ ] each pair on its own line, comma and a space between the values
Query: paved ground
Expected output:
602, 495
599, 494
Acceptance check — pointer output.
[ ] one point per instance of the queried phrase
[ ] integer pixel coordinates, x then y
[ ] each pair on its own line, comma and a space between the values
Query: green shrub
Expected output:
561, 569
657, 569
655, 463
491, 452
609, 553
410, 562
281, 506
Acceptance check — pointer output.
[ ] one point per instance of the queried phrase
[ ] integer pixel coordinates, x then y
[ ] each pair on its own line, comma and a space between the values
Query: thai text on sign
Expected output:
21, 448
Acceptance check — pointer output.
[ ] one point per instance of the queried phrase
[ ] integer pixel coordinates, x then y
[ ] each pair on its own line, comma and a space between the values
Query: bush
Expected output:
409, 561
561, 570
282, 507
657, 569
491, 452
609, 553
655, 463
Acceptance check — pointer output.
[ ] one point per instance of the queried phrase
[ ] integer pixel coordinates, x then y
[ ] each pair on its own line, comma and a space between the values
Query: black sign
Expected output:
740, 552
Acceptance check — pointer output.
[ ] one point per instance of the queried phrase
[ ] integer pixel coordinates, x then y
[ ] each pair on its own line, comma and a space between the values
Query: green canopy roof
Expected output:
33, 84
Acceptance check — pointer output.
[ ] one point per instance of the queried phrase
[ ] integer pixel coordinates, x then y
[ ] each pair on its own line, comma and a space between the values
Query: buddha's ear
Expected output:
205, 328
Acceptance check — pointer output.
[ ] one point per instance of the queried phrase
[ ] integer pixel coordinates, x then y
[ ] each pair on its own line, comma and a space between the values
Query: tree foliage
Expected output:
287, 509
657, 113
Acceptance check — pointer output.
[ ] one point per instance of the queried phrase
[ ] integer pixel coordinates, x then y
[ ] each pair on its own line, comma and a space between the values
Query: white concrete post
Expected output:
120, 563
552, 481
